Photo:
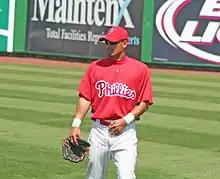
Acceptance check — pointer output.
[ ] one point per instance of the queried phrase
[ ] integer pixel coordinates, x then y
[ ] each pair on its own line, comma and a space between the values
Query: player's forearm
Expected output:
136, 112
140, 109
82, 108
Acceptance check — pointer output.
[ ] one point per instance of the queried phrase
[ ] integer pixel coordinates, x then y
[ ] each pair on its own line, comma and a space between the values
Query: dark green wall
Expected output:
147, 35
20, 25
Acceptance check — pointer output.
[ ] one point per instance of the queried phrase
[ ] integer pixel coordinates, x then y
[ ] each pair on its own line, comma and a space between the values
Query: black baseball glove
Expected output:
74, 153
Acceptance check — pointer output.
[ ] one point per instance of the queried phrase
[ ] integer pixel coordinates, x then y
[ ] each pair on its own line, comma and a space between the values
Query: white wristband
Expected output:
76, 122
129, 118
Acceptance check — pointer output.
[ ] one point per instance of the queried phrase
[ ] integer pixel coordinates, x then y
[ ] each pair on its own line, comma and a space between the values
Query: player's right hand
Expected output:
75, 134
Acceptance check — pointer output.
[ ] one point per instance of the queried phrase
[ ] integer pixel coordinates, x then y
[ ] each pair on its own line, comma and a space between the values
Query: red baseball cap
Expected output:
115, 34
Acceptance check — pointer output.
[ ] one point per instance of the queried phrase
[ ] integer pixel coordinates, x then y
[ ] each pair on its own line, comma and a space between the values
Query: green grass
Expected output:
179, 137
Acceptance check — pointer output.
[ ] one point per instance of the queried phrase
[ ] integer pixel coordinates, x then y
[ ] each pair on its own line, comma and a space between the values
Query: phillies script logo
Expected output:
166, 20
114, 89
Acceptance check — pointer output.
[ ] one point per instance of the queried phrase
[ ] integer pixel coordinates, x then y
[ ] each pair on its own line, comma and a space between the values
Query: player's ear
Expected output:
125, 43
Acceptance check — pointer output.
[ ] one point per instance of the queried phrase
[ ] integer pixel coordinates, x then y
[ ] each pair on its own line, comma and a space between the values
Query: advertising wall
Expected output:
73, 27
186, 32
177, 32
7, 9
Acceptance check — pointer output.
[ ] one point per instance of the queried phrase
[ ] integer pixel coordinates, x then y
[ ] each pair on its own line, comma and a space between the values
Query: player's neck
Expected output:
118, 57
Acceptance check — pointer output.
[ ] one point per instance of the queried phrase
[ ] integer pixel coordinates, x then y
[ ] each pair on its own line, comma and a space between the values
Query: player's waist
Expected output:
105, 122
106, 116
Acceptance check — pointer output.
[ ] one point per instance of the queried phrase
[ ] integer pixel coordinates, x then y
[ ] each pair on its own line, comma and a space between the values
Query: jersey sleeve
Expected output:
85, 89
145, 87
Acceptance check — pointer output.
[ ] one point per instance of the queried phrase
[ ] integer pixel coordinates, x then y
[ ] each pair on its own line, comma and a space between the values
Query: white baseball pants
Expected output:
104, 146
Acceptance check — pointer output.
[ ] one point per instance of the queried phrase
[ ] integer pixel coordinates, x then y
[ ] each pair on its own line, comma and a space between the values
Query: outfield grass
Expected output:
179, 137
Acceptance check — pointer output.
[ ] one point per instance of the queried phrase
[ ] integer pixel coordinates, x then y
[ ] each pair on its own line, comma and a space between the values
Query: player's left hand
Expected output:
116, 127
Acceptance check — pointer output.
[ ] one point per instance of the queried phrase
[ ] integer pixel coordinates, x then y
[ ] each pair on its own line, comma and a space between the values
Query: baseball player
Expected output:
118, 90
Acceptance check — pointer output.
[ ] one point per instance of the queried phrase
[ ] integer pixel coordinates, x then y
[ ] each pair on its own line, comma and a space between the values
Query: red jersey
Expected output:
115, 87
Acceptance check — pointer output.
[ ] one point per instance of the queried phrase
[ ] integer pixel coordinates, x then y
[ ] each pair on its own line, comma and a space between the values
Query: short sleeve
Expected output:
85, 85
145, 87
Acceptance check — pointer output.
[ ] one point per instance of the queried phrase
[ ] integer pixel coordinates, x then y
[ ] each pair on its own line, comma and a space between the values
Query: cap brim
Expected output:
103, 38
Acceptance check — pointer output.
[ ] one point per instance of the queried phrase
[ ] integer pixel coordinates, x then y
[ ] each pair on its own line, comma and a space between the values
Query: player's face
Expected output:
115, 48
